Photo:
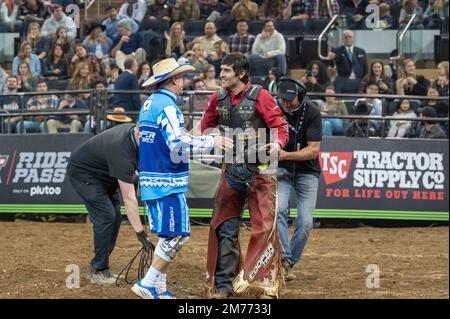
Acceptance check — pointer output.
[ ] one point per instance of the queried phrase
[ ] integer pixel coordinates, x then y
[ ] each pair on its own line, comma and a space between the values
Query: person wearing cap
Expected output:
298, 169
163, 154
97, 44
98, 169
242, 107
128, 44
431, 129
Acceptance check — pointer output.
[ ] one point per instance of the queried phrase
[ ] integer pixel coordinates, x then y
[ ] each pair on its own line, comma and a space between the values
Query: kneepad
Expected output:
167, 248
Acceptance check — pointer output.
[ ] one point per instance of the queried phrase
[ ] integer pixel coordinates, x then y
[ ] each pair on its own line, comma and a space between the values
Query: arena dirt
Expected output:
413, 262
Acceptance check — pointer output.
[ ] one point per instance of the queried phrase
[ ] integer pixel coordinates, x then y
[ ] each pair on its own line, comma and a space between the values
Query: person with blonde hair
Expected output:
441, 81
40, 44
197, 57
410, 83
97, 44
221, 49
175, 42
26, 55
27, 82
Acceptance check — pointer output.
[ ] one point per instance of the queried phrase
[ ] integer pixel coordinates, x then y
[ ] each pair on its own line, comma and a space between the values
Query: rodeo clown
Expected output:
239, 106
163, 159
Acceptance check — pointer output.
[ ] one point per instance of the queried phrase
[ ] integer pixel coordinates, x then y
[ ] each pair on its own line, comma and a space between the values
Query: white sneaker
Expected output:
145, 292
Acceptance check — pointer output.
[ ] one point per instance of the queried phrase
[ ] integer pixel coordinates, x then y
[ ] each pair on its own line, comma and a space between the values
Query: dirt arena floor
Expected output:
413, 262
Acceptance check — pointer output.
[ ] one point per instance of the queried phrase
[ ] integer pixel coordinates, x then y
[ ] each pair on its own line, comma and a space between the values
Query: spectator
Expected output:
245, 10
442, 80
72, 122
99, 85
197, 57
376, 74
385, 21
27, 82
185, 10
9, 21
200, 100
221, 49
355, 12
296, 10
26, 55
128, 81
441, 107
11, 103
242, 41
332, 126
33, 11
271, 9
435, 14
58, 19
208, 40
81, 55
212, 10
82, 79
55, 66
62, 37
431, 129
112, 21
409, 8
143, 73
110, 71
175, 41
361, 127
127, 45
272, 81
161, 9
316, 78
209, 78
410, 83
38, 103
40, 45
134, 9
3, 77
351, 64
97, 44
322, 9
402, 128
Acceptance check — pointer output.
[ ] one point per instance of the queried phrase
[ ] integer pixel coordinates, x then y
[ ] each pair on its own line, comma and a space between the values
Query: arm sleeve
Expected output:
45, 28
256, 49
281, 46
142, 11
176, 137
72, 29
314, 130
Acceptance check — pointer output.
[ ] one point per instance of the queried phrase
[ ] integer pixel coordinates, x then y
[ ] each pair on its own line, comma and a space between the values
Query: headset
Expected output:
300, 91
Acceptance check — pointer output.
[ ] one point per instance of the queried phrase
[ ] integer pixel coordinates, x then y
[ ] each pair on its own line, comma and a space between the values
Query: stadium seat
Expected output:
291, 48
159, 25
289, 27
315, 26
440, 48
260, 67
194, 28
255, 27
307, 48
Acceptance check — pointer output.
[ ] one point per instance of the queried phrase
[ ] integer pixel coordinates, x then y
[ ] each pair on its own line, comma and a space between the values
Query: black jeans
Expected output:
103, 205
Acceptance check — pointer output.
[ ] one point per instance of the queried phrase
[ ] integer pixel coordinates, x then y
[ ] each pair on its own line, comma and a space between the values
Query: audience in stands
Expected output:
271, 9
32, 11
241, 41
11, 103
270, 45
221, 49
56, 20
385, 21
97, 44
143, 73
361, 127
128, 80
296, 10
209, 78
200, 100
161, 9
82, 79
409, 8
431, 129
441, 107
316, 77
442, 79
435, 13
127, 45
175, 41
332, 106
3, 77
272, 80
410, 83
245, 10
402, 128
212, 10
40, 45
322, 9
208, 40
112, 21
185, 10
375, 104
55, 67
9, 21
26, 55
62, 38
355, 12
197, 57
71, 122
110, 71
376, 74
134, 9
27, 81
81, 55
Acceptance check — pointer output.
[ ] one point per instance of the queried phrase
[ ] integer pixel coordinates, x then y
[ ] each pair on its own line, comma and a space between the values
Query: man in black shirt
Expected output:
298, 168
96, 170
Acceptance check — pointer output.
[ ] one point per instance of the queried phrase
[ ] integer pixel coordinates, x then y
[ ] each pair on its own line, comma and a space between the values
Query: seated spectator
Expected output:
271, 9
110, 71
385, 22
128, 80
99, 85
127, 45
431, 129
402, 128
375, 104
161, 9
39, 103
272, 80
270, 44
361, 127
134, 9
410, 83
322, 9
442, 80
242, 41
200, 100
435, 14
295, 10
33, 11
409, 8
62, 37
143, 73
209, 78
208, 40
185, 10
82, 80
72, 122
316, 77
112, 21
97, 44
3, 77
197, 57
81, 55
245, 10
11, 103
9, 21
55, 67
59, 19
212, 10
220, 51
441, 107
27, 82
40, 45
351, 64
355, 12
26, 55
376, 74
333, 126
175, 42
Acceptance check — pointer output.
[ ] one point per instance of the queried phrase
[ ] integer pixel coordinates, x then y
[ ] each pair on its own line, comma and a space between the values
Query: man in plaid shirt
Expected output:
241, 41
322, 9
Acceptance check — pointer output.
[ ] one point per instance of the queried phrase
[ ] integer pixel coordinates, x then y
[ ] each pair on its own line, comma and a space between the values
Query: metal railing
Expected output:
319, 46
89, 4
400, 41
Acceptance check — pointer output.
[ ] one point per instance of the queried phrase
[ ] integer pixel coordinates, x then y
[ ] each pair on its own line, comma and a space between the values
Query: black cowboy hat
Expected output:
92, 24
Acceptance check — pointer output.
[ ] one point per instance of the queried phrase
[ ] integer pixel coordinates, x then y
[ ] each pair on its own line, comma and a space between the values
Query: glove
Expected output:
145, 240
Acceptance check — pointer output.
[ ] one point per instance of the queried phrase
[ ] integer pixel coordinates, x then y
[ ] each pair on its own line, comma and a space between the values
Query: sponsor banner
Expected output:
33, 168
384, 174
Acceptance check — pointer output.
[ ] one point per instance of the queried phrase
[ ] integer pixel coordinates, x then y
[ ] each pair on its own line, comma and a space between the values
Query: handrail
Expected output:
319, 46
400, 39
88, 5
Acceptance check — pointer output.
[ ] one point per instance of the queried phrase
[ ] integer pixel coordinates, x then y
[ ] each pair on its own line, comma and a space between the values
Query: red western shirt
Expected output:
265, 104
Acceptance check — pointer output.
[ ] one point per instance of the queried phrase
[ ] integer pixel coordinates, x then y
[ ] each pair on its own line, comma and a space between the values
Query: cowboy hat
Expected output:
165, 69
119, 117
92, 24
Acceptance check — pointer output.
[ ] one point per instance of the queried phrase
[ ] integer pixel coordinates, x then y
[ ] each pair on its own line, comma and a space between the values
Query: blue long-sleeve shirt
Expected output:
35, 65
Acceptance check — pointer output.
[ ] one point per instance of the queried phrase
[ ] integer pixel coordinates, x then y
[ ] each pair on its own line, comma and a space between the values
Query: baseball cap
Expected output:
287, 90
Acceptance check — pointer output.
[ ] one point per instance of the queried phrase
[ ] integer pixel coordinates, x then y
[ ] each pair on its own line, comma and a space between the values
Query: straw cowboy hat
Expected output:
119, 117
165, 69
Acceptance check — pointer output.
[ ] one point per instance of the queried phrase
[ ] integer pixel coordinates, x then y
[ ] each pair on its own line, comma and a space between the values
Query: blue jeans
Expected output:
306, 186
31, 125
332, 126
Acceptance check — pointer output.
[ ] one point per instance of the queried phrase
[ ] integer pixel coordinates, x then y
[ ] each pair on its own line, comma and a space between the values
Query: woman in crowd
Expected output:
62, 37
97, 44
55, 66
221, 49
40, 45
271, 9
410, 83
197, 57
376, 74
26, 55
272, 80
144, 72
333, 126
27, 82
175, 42
81, 79
209, 78
316, 77
441, 82
81, 55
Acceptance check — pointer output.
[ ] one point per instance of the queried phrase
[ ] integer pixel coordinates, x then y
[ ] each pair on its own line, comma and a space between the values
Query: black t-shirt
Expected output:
107, 157
310, 131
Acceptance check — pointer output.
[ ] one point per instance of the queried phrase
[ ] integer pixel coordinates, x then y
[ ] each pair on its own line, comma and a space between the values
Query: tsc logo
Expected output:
3, 162
335, 165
